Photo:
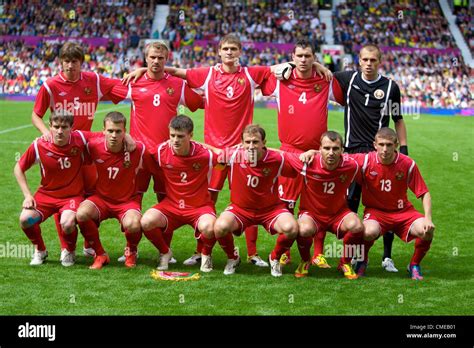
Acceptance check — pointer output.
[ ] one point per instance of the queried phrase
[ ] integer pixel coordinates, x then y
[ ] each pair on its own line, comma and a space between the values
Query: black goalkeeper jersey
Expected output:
368, 106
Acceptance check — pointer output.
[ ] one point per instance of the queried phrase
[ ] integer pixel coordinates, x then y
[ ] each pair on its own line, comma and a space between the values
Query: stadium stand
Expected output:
419, 50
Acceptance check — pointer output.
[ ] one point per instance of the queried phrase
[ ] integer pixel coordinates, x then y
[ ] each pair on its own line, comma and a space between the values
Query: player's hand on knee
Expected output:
29, 203
428, 227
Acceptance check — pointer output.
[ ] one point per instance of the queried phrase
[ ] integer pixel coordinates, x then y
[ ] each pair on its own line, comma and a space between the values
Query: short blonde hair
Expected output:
157, 45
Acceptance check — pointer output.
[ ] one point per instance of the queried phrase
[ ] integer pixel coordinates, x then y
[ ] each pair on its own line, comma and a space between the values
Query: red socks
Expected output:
283, 244
207, 244
34, 235
227, 244
421, 248
155, 236
251, 235
91, 236
69, 240
304, 247
57, 222
319, 242
132, 240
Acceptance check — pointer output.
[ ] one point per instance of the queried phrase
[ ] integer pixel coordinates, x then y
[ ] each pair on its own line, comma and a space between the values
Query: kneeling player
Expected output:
61, 189
254, 171
186, 169
115, 193
386, 177
323, 205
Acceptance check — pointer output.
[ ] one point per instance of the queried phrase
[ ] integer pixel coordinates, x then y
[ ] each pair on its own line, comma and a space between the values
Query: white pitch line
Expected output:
15, 128
8, 130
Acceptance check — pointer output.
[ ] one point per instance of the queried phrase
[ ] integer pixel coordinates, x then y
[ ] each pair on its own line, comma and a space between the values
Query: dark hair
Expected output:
372, 47
182, 123
61, 116
333, 136
387, 133
115, 117
303, 43
254, 129
71, 50
232, 39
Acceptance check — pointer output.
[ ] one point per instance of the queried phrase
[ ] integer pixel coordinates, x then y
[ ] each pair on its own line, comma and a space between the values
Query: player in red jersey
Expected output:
115, 192
187, 168
386, 177
77, 92
302, 101
323, 205
61, 189
254, 171
155, 99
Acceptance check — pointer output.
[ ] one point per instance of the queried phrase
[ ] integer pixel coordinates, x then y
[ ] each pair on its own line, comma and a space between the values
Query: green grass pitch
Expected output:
442, 147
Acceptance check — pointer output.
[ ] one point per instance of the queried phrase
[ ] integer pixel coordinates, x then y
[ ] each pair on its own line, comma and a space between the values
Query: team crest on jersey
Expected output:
343, 177
197, 166
126, 164
49, 154
317, 88
170, 91
379, 94
241, 81
74, 151
87, 91
399, 175
373, 173
266, 171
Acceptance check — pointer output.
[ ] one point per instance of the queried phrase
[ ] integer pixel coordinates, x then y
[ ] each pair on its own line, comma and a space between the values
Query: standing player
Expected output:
61, 189
370, 99
155, 99
76, 92
386, 177
115, 193
323, 205
254, 173
302, 118
187, 168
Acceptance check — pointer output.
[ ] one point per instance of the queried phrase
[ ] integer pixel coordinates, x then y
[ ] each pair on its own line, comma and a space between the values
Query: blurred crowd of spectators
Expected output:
426, 80
258, 21
415, 23
24, 68
465, 21
127, 19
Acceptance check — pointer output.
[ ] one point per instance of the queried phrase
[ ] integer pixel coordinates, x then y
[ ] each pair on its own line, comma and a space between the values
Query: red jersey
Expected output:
79, 97
154, 104
60, 165
229, 100
302, 109
255, 186
186, 177
385, 187
325, 191
116, 171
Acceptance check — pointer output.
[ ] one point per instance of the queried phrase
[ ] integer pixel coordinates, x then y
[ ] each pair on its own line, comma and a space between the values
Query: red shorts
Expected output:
218, 177
89, 175
177, 217
290, 188
47, 205
331, 223
108, 210
247, 217
398, 222
143, 181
